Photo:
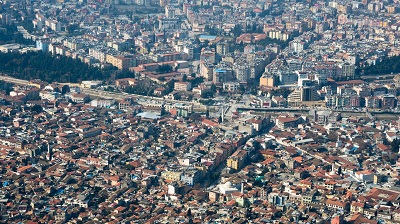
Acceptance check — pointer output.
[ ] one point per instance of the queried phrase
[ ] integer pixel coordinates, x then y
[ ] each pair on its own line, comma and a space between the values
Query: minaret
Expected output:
338, 143
333, 169
242, 186
49, 153
398, 124
223, 113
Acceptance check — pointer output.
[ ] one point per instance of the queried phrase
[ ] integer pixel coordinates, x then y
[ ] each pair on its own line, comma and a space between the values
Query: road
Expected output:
14, 80
228, 107
101, 93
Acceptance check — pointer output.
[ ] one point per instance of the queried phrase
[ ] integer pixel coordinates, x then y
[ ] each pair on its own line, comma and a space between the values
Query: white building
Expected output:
227, 188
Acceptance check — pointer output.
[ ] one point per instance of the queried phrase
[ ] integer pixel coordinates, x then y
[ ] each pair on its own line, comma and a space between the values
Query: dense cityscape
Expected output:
206, 111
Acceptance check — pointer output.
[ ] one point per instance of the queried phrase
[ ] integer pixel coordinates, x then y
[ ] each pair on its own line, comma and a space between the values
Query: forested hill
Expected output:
44, 66
386, 66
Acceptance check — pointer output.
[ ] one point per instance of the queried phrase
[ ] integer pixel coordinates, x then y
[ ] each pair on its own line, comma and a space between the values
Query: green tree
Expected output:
49, 68
164, 69
395, 145
237, 30
195, 117
71, 28
196, 81
206, 95
242, 88
65, 89
163, 111
213, 88
124, 74
170, 86
36, 108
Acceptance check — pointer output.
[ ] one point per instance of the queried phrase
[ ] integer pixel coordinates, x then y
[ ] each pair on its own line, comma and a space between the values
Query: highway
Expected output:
14, 80
101, 93
229, 108
306, 110
116, 96
139, 98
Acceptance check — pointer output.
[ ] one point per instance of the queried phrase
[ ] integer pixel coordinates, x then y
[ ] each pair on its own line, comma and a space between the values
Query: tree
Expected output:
208, 102
387, 65
196, 81
206, 95
164, 69
284, 92
242, 88
395, 145
71, 28
184, 78
219, 119
170, 86
124, 74
332, 136
65, 89
211, 30
207, 113
49, 68
144, 87
237, 30
163, 112
213, 88
195, 117
36, 108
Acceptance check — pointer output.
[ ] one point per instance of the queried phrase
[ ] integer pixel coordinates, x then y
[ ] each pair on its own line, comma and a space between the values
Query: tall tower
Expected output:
49, 154
333, 169
222, 113
398, 124
338, 143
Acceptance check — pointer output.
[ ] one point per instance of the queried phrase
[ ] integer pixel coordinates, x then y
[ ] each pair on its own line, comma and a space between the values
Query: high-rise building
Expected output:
223, 48
242, 72
268, 81
43, 44
346, 71
170, 11
163, 3
303, 94
206, 70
